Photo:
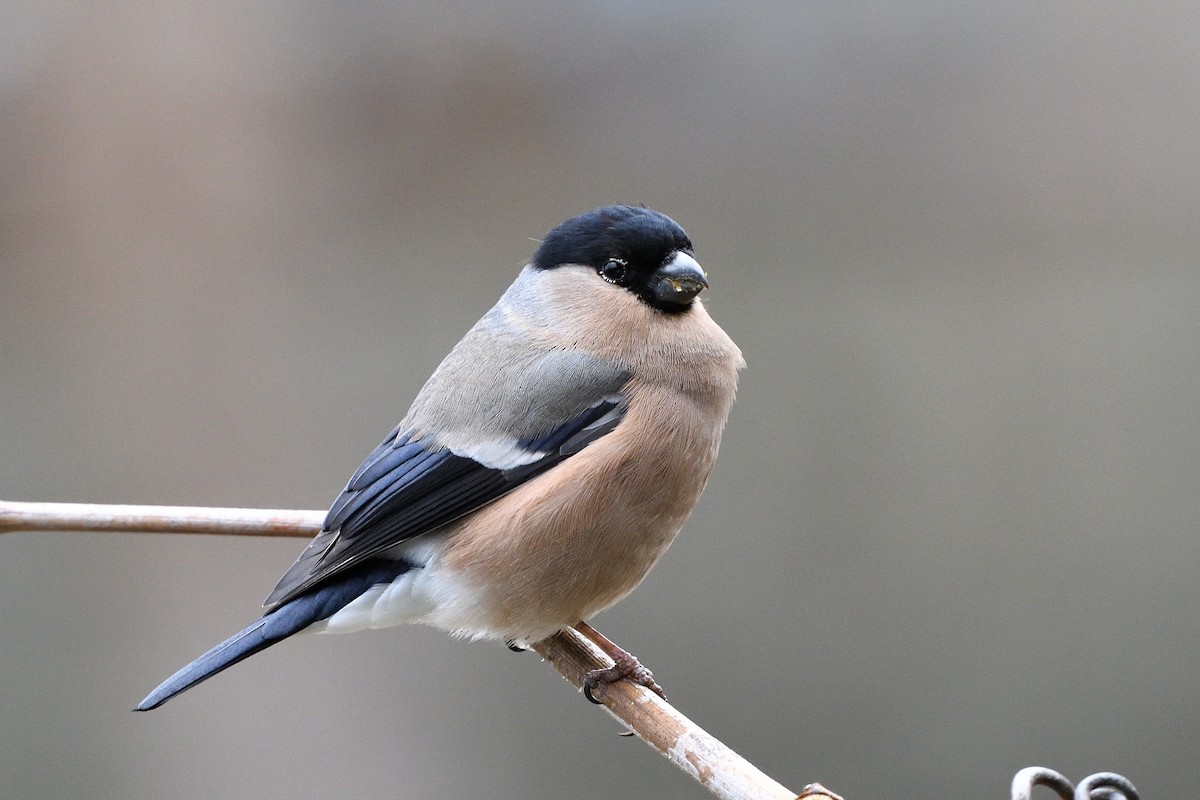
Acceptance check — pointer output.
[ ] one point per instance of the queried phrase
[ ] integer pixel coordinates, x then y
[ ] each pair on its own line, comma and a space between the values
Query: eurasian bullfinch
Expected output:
541, 471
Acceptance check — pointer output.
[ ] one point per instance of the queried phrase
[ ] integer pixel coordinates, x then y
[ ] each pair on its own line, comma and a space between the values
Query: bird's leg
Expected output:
624, 666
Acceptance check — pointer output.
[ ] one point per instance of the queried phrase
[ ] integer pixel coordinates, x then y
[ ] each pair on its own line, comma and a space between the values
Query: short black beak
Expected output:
677, 282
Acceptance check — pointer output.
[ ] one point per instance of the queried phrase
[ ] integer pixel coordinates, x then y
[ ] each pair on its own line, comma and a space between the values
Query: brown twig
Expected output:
722, 771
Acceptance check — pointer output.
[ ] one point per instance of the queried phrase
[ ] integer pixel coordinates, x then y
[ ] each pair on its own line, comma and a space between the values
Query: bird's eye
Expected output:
614, 271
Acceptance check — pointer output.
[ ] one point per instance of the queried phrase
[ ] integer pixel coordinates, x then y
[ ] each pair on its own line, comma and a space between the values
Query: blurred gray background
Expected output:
953, 530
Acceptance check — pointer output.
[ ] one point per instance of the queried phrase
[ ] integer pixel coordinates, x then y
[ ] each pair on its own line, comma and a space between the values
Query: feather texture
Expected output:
405, 489
293, 617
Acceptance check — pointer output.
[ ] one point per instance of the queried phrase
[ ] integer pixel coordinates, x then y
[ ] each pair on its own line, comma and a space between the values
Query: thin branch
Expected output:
722, 771
157, 519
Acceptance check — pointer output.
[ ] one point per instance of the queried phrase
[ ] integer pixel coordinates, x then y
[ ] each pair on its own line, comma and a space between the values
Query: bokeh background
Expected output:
953, 531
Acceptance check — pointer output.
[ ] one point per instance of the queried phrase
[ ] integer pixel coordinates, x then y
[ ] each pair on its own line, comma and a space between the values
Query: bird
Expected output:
542, 469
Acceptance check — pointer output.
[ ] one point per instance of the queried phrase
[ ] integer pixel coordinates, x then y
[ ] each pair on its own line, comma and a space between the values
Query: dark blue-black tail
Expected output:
320, 602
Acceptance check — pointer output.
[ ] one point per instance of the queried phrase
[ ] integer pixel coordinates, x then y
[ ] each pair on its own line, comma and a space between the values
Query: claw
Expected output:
626, 667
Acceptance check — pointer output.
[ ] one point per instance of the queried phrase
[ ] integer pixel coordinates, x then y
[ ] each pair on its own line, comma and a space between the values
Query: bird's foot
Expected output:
516, 648
625, 666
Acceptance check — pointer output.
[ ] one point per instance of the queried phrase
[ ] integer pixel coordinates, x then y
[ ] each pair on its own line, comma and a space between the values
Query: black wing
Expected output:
405, 489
